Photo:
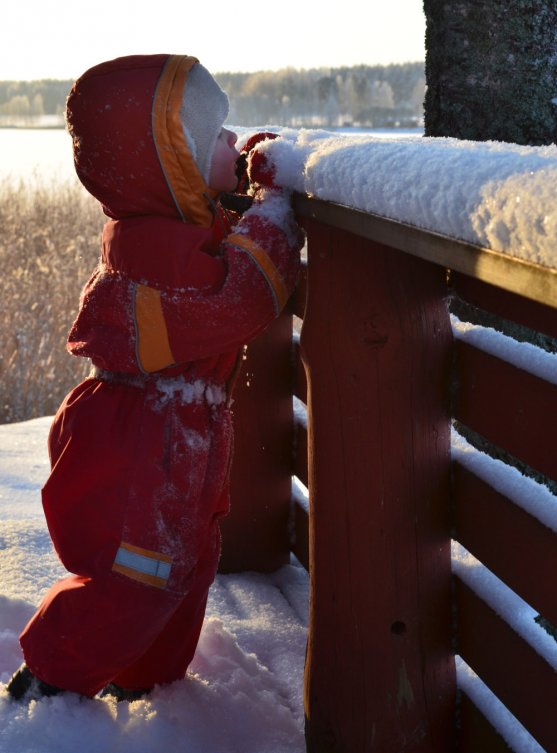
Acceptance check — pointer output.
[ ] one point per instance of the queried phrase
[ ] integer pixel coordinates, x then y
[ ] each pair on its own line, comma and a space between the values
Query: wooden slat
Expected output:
534, 315
300, 547
476, 733
255, 534
300, 379
511, 408
522, 552
298, 301
514, 671
300, 461
525, 278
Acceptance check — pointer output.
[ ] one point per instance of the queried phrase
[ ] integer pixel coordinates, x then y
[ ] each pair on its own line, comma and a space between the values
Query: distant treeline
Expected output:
22, 99
362, 95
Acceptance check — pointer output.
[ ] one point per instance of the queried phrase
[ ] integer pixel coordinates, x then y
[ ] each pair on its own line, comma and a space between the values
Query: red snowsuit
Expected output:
140, 450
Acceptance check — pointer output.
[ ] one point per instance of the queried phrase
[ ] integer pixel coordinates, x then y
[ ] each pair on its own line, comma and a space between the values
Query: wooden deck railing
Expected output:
383, 380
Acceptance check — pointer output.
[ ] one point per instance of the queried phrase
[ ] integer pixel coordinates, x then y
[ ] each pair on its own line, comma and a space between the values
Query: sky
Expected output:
61, 38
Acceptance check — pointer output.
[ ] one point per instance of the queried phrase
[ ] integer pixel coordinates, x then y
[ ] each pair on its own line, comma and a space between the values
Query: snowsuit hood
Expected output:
131, 149
176, 289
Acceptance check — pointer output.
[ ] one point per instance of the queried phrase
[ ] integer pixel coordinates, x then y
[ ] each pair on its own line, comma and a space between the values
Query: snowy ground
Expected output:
243, 693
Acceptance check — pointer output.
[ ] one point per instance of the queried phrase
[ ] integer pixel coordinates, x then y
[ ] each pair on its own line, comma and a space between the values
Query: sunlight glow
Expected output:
56, 39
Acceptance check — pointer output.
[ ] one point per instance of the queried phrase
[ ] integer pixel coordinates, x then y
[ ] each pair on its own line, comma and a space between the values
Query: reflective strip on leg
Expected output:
143, 565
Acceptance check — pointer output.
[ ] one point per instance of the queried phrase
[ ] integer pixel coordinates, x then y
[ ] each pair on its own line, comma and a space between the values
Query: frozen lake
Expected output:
27, 152
47, 153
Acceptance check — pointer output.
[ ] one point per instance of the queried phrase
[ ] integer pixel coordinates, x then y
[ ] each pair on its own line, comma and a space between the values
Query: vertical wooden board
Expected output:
300, 465
300, 381
301, 536
376, 344
298, 301
255, 533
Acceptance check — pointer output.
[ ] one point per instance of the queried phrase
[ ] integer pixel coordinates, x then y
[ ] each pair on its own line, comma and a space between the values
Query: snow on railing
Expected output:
496, 195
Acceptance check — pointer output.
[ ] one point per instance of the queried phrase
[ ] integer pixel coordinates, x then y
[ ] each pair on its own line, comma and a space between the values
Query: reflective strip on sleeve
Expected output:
153, 346
266, 266
143, 565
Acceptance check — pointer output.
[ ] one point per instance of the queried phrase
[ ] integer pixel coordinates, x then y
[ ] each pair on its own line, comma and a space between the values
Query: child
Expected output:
140, 450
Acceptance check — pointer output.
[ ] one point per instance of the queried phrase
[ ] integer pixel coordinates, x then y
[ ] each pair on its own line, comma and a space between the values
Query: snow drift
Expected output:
243, 691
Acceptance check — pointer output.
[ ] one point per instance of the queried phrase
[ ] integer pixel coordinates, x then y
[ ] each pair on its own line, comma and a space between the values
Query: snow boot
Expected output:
25, 685
123, 694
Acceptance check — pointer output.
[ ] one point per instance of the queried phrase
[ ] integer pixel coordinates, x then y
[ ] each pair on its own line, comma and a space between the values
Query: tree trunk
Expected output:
491, 70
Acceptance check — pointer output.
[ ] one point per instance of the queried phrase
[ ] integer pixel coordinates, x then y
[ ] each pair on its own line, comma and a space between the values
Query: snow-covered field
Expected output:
243, 693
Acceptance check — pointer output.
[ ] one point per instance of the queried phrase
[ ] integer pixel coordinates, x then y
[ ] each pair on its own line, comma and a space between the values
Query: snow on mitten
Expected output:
245, 151
262, 171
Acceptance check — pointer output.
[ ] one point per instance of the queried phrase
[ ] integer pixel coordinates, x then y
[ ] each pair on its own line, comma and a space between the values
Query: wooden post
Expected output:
376, 346
255, 533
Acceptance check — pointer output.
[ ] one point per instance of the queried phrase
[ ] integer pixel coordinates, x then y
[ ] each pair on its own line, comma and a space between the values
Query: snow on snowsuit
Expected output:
140, 450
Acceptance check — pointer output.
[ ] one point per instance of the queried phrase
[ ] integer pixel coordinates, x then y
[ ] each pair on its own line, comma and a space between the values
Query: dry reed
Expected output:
49, 244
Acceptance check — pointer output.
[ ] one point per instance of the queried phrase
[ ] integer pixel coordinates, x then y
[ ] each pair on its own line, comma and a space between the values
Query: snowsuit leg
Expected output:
169, 656
137, 486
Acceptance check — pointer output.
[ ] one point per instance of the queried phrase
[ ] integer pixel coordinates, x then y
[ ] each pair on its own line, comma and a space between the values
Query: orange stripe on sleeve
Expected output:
153, 346
265, 264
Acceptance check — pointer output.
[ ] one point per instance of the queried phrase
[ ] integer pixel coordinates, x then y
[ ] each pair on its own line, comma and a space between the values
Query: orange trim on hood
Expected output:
184, 180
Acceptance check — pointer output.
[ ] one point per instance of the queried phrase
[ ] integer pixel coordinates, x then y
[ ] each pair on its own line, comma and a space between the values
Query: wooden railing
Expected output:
383, 380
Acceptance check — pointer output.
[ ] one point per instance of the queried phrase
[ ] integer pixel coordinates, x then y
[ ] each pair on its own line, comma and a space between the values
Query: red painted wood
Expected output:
476, 734
518, 676
255, 534
301, 536
508, 406
300, 468
534, 315
376, 344
300, 381
299, 297
522, 553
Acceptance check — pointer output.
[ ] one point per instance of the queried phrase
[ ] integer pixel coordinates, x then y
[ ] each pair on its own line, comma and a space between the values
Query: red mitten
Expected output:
245, 152
256, 139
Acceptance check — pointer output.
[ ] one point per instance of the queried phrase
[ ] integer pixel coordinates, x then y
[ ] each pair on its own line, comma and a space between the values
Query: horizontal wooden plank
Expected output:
476, 734
502, 270
522, 553
508, 406
511, 668
514, 308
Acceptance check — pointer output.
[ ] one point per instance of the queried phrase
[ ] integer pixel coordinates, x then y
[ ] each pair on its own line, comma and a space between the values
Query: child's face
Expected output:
222, 176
